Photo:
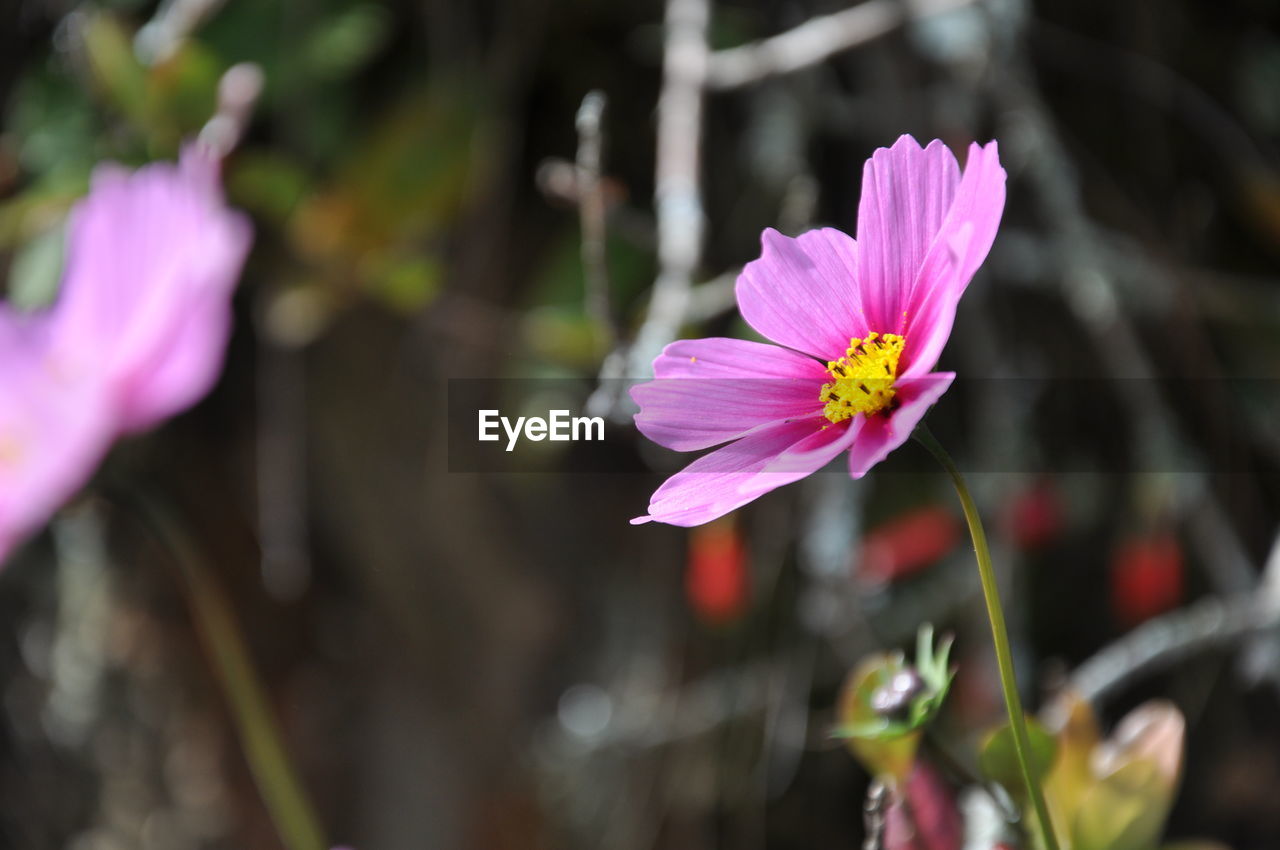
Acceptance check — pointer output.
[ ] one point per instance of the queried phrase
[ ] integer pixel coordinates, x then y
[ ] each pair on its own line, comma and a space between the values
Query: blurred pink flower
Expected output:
858, 326
145, 303
137, 333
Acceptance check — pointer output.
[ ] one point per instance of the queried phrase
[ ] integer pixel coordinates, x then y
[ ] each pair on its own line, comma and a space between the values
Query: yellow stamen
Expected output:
862, 380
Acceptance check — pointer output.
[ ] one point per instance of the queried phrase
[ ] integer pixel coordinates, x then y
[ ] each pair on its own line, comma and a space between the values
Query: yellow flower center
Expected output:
862, 380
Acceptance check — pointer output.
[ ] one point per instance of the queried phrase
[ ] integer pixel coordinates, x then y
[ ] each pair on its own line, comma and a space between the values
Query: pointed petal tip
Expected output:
771, 239
907, 147
904, 142
641, 520
986, 155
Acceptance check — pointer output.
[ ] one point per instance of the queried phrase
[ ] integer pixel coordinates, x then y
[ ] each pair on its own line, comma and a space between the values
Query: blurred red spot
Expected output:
1146, 577
1035, 516
716, 580
907, 544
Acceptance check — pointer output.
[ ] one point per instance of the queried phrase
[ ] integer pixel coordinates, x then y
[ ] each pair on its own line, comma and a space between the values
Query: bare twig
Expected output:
1262, 659
1212, 623
161, 37
711, 299
676, 196
591, 213
815, 40
238, 91
677, 201
1210, 530
651, 718
873, 816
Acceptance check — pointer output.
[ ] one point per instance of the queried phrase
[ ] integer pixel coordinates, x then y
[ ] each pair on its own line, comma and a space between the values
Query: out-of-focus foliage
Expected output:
393, 196
370, 221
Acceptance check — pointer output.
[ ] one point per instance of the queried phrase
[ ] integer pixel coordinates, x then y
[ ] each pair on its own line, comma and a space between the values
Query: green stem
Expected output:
263, 746
999, 635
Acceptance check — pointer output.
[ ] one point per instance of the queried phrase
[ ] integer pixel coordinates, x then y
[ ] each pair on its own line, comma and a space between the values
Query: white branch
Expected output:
676, 194
591, 213
816, 39
1158, 644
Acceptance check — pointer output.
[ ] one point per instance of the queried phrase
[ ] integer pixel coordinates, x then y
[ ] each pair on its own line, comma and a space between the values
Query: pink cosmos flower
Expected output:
137, 333
858, 326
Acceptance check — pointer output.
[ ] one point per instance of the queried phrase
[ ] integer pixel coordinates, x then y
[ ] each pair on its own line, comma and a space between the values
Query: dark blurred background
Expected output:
488, 660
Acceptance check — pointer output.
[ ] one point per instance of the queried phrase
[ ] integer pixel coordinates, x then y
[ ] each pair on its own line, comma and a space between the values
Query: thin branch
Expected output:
1262, 659
677, 202
815, 40
873, 815
238, 91
591, 214
676, 195
173, 22
713, 298
650, 719
1159, 644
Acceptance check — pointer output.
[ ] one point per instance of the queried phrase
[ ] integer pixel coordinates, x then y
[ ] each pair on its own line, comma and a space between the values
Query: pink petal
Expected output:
882, 434
53, 433
906, 193
710, 391
805, 457
961, 245
185, 369
803, 293
735, 474
152, 259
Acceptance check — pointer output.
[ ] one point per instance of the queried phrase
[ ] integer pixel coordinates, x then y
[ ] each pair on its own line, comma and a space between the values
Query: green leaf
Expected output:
181, 94
114, 68
407, 284
268, 184
998, 757
340, 45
